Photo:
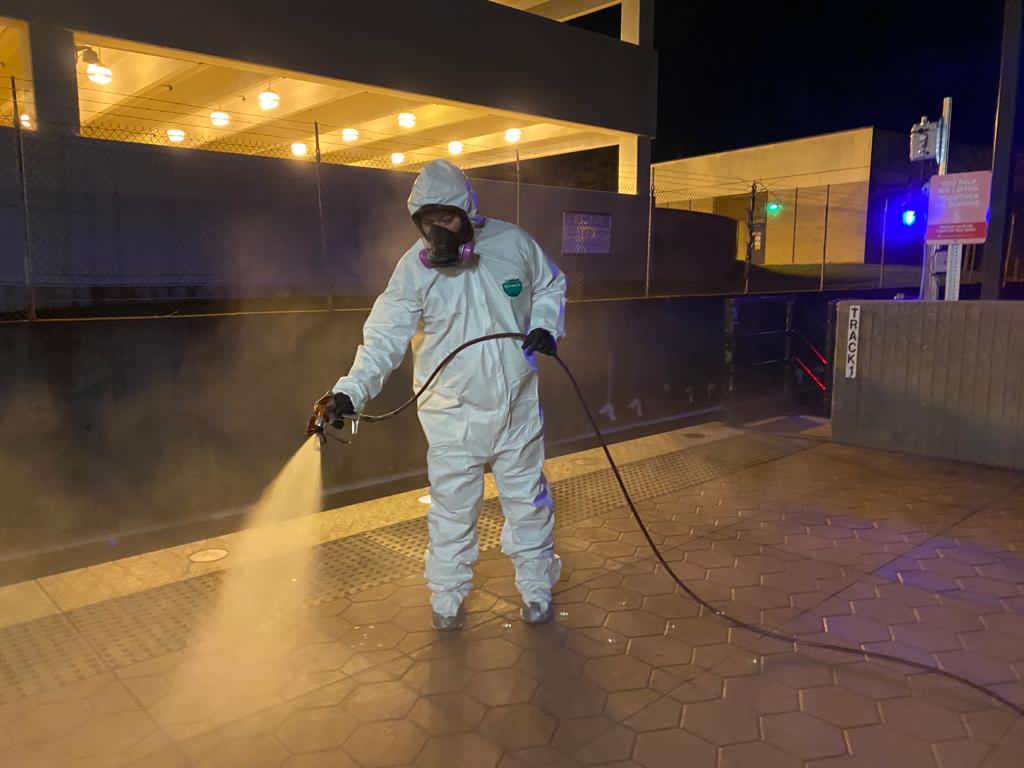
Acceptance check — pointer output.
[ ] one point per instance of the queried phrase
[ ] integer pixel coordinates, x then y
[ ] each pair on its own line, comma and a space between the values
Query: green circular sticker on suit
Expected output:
513, 287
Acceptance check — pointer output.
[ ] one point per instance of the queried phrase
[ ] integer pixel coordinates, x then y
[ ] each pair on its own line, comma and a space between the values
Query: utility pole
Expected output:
320, 216
751, 213
30, 291
1002, 153
927, 141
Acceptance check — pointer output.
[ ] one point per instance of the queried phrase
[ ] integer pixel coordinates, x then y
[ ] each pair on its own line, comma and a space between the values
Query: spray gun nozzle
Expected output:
315, 426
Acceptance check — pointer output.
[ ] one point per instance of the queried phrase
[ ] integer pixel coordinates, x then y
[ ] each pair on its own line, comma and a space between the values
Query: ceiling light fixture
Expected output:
269, 99
94, 68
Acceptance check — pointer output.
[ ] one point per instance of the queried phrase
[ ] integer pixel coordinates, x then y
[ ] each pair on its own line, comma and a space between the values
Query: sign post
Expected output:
958, 205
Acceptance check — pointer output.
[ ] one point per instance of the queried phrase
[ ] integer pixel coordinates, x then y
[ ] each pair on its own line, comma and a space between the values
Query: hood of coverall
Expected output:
441, 183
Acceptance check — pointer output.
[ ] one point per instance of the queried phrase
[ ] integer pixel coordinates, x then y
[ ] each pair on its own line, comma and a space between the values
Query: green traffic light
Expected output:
773, 208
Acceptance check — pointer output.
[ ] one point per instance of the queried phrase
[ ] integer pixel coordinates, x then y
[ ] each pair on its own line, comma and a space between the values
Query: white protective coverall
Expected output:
484, 408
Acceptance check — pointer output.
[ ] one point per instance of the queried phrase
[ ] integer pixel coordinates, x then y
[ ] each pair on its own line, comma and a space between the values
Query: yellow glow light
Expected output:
397, 158
455, 147
220, 119
26, 120
348, 135
99, 74
176, 135
513, 135
299, 149
407, 120
269, 99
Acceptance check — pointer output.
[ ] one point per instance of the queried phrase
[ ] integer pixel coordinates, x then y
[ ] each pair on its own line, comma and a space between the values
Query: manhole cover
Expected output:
208, 555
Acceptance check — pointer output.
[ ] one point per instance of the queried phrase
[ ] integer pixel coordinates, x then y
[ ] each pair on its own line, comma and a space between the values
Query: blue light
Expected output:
909, 217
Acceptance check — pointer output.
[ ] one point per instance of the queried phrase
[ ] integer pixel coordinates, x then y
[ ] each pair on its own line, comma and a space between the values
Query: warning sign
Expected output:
958, 208
852, 342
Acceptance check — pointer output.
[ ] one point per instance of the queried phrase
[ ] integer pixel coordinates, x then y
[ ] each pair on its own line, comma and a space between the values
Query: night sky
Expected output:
740, 74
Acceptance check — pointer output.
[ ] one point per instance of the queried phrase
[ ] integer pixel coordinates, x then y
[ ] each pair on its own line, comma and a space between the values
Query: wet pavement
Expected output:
116, 665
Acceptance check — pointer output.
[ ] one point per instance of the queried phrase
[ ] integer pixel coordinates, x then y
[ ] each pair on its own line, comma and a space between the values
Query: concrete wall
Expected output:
464, 50
800, 175
109, 214
936, 379
691, 252
107, 427
834, 158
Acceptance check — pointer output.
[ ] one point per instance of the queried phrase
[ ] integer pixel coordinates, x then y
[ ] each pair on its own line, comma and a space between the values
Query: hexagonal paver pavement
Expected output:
317, 730
519, 726
756, 754
467, 749
671, 749
618, 673
594, 740
616, 599
721, 722
498, 687
763, 693
895, 554
636, 623
381, 701
803, 736
839, 706
922, 719
446, 713
386, 744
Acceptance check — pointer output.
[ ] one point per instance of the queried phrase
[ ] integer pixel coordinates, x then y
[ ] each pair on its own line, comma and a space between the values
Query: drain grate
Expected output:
51, 652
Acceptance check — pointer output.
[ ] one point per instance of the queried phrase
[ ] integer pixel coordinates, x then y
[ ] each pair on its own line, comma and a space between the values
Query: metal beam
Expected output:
566, 10
1002, 153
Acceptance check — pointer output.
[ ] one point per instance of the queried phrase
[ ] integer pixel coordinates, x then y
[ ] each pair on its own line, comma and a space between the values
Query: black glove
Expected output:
540, 340
334, 407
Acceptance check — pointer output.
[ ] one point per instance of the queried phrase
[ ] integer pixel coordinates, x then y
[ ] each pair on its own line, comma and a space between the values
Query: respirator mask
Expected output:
444, 247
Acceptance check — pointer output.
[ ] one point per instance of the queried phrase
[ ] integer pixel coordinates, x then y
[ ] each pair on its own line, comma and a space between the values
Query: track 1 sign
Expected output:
958, 208
852, 342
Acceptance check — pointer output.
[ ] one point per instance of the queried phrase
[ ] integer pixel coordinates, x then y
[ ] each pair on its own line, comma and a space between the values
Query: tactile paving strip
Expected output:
41, 655
51, 652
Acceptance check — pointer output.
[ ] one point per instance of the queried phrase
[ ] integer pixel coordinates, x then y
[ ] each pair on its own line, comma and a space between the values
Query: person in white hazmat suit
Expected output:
468, 277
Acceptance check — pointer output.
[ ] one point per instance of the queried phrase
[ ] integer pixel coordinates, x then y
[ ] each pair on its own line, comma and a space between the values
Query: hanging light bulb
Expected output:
299, 149
220, 119
25, 119
397, 158
99, 74
454, 147
348, 135
269, 99
176, 135
94, 68
513, 135
407, 120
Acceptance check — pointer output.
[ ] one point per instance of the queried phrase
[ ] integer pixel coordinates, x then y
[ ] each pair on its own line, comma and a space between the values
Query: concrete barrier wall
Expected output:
109, 427
935, 379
